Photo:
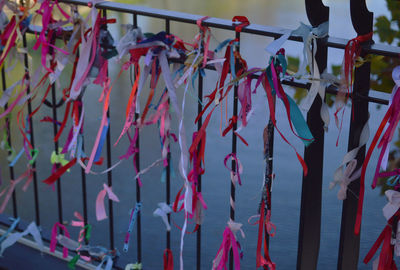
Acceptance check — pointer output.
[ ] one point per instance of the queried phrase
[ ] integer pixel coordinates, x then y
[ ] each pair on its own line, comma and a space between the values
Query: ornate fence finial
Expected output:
317, 13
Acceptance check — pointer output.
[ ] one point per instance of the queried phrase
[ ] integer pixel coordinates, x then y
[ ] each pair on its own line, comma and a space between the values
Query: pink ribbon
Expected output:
100, 209
229, 242
81, 235
53, 240
10, 189
239, 167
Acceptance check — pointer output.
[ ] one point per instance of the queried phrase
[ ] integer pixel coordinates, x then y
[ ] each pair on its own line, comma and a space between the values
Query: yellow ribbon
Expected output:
58, 158
369, 58
133, 266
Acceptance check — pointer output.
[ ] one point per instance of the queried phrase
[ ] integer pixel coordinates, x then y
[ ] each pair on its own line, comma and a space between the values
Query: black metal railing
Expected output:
311, 198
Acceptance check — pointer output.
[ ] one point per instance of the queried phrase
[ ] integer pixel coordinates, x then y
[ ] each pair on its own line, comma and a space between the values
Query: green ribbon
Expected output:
73, 261
6, 146
34, 153
58, 158
296, 116
88, 231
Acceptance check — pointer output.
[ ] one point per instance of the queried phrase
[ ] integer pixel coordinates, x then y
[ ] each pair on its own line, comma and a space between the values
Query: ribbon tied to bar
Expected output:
344, 178
162, 211
100, 209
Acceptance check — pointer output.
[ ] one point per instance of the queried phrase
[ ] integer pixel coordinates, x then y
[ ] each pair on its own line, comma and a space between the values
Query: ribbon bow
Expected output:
344, 178
100, 210
58, 158
162, 211
235, 175
133, 266
8, 191
393, 205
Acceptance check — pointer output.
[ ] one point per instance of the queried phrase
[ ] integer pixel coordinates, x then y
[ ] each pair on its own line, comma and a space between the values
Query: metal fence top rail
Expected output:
257, 29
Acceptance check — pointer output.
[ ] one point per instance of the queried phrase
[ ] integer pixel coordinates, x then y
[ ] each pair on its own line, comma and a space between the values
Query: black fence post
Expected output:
311, 194
349, 246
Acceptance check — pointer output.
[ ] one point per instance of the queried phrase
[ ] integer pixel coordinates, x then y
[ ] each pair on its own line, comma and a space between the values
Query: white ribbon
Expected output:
236, 227
7, 94
393, 205
344, 177
32, 229
109, 263
162, 211
309, 35
129, 39
67, 242
85, 53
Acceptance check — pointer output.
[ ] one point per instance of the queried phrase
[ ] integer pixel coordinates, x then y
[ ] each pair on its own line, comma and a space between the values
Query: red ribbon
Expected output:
386, 261
57, 174
243, 22
351, 53
168, 260
389, 117
265, 260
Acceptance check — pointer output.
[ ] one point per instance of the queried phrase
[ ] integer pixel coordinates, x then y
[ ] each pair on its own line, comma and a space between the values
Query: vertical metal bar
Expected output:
168, 189
83, 181
32, 139
109, 173
349, 244
139, 223
12, 175
269, 176
199, 124
234, 146
55, 131
311, 195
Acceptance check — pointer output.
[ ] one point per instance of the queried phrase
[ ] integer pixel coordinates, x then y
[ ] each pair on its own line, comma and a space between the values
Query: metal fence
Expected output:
311, 198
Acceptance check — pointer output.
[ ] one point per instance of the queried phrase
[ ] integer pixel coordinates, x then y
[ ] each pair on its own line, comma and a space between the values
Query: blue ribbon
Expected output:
10, 229
132, 222
102, 140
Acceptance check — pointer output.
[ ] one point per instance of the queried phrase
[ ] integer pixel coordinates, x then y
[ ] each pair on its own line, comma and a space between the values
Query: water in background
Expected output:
216, 182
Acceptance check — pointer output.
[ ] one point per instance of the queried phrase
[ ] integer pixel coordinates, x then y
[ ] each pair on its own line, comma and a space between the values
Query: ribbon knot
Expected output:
243, 22
393, 205
100, 209
345, 177
58, 158
162, 211
236, 227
